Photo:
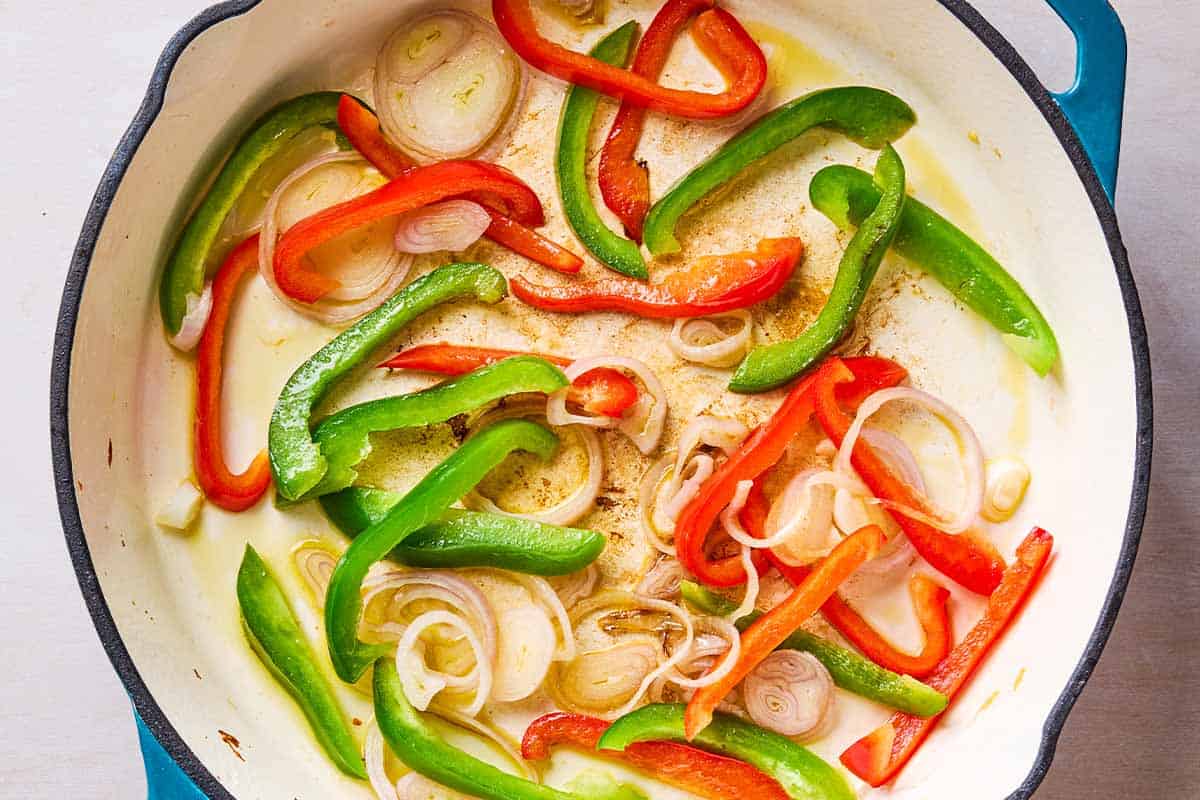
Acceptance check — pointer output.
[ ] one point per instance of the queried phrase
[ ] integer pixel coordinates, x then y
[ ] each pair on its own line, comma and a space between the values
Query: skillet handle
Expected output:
165, 779
1095, 104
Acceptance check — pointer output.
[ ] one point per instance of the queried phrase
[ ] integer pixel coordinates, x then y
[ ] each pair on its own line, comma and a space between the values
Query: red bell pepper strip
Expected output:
691, 769
624, 181
761, 450
880, 755
414, 189
223, 488
361, 127
971, 562
599, 391
710, 285
772, 628
717, 33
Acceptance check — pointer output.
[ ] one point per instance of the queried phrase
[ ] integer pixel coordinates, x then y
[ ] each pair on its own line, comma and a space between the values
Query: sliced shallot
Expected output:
789, 692
453, 226
643, 423
662, 581
422, 684
194, 320
702, 341
527, 645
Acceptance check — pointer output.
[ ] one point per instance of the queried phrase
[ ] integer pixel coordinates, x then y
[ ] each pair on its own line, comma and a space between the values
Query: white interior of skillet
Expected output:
172, 596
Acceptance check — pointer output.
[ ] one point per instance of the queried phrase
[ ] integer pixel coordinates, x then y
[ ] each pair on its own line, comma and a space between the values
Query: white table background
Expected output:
73, 74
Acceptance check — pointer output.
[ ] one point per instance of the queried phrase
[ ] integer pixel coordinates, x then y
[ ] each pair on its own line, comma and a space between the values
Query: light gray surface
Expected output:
73, 76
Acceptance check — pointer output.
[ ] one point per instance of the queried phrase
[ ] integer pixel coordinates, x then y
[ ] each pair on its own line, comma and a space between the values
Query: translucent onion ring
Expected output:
364, 296
723, 349
194, 320
451, 226
643, 423
789, 692
410, 662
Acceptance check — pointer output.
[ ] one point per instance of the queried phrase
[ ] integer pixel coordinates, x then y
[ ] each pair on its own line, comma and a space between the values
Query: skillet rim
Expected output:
149, 710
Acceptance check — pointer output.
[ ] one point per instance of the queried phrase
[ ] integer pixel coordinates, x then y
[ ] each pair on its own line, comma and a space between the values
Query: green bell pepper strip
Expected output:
871, 117
847, 196
772, 365
849, 670
803, 775
574, 129
425, 504
296, 461
275, 634
470, 538
184, 273
424, 751
344, 438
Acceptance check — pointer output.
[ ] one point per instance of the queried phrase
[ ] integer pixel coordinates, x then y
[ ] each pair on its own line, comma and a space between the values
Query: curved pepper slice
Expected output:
412, 190
599, 391
270, 133
762, 450
691, 769
929, 604
425, 503
870, 117
710, 285
361, 127
274, 632
847, 196
803, 775
717, 33
775, 364
469, 538
774, 627
574, 131
345, 437
230, 492
969, 561
849, 670
424, 751
624, 181
880, 755
296, 461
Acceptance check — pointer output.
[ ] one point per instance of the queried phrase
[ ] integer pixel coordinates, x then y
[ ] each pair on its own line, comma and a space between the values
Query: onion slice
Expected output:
527, 647
194, 320
422, 684
360, 292
643, 423
972, 456
702, 341
453, 225
789, 692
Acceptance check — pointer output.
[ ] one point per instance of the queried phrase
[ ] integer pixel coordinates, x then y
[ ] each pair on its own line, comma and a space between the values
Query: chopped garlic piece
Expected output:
182, 509
1007, 480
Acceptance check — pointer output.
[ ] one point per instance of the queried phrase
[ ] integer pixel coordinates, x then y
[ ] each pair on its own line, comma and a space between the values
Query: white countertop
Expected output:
75, 72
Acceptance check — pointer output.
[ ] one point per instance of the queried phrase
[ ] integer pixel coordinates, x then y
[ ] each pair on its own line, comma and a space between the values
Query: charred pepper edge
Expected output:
574, 128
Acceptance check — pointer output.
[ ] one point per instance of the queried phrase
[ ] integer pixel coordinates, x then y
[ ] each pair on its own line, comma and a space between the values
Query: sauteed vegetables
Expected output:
605, 550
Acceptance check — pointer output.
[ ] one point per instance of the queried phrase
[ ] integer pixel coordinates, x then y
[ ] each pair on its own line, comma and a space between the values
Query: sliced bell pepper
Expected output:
849, 670
871, 117
223, 488
296, 460
880, 755
424, 751
803, 775
362, 129
972, 562
344, 438
929, 604
775, 364
691, 769
574, 131
758, 453
710, 285
624, 181
774, 627
847, 196
425, 503
716, 32
270, 134
603, 391
414, 189
277, 638
462, 539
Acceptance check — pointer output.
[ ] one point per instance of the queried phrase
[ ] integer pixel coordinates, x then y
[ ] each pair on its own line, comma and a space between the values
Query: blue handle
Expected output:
164, 778
1095, 104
